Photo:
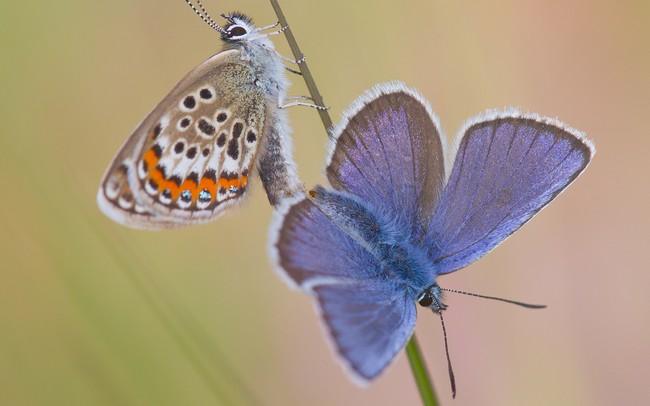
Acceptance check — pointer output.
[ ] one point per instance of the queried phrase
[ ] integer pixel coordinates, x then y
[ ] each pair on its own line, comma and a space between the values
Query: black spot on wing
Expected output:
189, 102
237, 129
205, 94
153, 184
162, 170
157, 150
206, 128
179, 147
229, 175
176, 179
210, 174
194, 177
221, 141
233, 149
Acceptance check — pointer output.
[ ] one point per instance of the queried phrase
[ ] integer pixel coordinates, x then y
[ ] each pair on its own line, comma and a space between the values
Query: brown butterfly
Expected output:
194, 154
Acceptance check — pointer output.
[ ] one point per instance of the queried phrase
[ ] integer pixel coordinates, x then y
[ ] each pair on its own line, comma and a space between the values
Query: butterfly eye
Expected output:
236, 31
426, 299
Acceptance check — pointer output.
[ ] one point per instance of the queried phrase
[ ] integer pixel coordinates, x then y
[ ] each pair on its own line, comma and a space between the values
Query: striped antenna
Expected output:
203, 15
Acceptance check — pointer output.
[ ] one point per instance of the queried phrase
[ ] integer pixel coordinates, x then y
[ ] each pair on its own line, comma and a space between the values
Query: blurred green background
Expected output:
92, 313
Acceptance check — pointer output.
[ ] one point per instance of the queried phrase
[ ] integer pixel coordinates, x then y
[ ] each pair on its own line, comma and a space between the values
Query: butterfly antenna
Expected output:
522, 304
203, 15
213, 23
452, 380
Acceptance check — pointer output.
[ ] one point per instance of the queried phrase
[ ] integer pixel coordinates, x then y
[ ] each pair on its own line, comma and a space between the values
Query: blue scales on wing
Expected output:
389, 153
331, 245
507, 168
355, 247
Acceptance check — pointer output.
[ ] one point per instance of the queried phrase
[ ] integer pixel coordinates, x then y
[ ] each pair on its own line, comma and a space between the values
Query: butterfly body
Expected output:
194, 154
399, 261
266, 65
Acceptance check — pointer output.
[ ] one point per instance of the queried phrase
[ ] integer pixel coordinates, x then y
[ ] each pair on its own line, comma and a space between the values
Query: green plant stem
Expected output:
416, 361
420, 373
304, 68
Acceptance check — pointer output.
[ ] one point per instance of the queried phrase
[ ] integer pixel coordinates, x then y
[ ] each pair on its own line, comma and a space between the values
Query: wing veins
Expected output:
470, 208
437, 260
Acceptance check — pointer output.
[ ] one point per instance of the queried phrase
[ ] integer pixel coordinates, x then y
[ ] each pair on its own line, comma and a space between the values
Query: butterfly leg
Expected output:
277, 32
295, 72
268, 34
298, 98
268, 27
291, 60
298, 101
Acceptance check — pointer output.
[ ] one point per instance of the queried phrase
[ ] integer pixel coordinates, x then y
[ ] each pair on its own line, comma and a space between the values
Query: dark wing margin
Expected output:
389, 151
508, 166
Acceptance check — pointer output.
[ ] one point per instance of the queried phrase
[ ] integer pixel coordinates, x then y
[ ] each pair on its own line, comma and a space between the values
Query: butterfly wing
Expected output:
508, 166
368, 318
193, 154
388, 151
367, 324
309, 249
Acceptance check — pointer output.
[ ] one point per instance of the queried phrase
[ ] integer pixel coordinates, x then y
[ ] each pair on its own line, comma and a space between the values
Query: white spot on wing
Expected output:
249, 150
112, 189
142, 171
182, 168
149, 189
125, 204
199, 164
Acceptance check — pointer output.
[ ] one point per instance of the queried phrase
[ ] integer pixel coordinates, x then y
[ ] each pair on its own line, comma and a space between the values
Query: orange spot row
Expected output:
175, 190
189, 184
209, 185
151, 159
237, 183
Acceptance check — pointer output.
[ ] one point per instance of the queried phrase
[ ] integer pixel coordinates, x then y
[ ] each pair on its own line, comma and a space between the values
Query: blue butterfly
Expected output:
397, 218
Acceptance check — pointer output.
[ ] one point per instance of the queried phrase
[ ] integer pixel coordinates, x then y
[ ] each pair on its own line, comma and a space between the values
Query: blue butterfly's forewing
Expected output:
388, 152
507, 168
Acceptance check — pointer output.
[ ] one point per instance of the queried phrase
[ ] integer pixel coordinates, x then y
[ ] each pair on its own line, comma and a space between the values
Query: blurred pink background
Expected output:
92, 313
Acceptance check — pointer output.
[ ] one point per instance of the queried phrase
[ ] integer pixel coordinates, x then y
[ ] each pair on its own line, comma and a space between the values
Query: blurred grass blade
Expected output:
191, 339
